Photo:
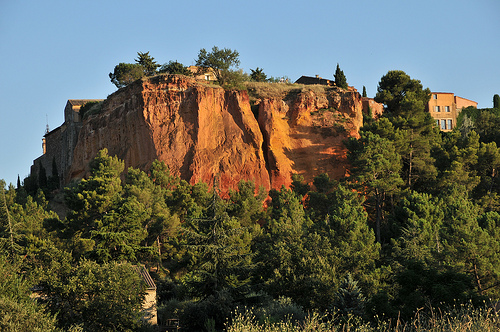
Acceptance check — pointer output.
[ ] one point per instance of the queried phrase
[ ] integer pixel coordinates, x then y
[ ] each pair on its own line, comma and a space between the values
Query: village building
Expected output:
444, 107
58, 144
207, 75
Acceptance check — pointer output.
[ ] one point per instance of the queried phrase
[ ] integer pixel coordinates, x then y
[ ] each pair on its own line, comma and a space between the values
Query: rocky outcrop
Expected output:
203, 132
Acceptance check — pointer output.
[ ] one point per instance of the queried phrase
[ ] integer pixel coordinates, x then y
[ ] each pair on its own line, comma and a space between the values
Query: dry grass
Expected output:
258, 90
462, 319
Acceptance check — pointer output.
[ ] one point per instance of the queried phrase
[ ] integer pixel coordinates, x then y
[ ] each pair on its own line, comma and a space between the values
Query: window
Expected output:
437, 122
434, 96
436, 109
449, 124
447, 109
443, 124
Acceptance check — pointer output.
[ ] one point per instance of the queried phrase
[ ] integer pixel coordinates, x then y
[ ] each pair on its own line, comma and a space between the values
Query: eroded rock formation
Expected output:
202, 132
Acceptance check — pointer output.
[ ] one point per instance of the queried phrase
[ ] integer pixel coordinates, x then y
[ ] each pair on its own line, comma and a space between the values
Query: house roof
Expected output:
314, 80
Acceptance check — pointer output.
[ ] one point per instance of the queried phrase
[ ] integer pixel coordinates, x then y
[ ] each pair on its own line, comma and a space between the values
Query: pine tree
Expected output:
375, 168
103, 223
405, 99
364, 92
147, 62
349, 299
220, 248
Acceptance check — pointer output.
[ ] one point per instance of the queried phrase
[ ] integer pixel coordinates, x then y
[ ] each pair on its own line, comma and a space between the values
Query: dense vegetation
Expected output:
413, 230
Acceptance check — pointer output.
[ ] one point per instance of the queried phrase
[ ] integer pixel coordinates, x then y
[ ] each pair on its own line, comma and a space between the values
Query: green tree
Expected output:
221, 61
126, 73
375, 169
468, 247
246, 205
340, 79
147, 62
258, 75
405, 100
496, 101
105, 297
220, 248
18, 312
175, 67
292, 260
354, 245
364, 92
402, 95
349, 299
416, 225
8, 232
104, 223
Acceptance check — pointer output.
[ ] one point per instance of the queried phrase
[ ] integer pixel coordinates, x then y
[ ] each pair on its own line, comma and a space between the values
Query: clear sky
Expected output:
52, 51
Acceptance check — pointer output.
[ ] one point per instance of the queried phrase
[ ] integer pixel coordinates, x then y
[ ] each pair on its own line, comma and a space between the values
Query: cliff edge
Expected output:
202, 131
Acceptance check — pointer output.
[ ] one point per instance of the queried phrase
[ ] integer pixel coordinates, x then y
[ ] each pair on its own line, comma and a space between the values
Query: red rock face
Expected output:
203, 132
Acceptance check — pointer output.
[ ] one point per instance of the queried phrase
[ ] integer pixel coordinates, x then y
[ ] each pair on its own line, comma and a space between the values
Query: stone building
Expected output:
58, 144
372, 108
207, 75
444, 107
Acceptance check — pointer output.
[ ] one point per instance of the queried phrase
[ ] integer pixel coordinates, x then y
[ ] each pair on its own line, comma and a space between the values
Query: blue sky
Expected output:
52, 51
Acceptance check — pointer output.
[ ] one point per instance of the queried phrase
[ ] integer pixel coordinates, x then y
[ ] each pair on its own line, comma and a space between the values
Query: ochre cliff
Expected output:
202, 132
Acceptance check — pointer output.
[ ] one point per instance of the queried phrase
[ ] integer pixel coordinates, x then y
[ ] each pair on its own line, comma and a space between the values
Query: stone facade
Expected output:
58, 145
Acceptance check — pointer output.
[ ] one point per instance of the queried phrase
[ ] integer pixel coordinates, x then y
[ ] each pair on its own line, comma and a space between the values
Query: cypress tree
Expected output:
42, 178
364, 92
340, 79
496, 101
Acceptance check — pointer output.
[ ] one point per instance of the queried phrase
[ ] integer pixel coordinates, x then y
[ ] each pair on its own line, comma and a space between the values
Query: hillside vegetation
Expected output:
409, 241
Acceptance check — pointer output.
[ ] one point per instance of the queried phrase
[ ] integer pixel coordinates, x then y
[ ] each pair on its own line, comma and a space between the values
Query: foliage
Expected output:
376, 170
105, 297
496, 101
340, 79
258, 75
401, 94
415, 133
126, 73
147, 62
104, 224
221, 61
175, 67
89, 108
411, 231
18, 312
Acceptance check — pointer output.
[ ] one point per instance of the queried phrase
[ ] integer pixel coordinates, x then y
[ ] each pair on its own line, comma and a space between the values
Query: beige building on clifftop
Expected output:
444, 107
